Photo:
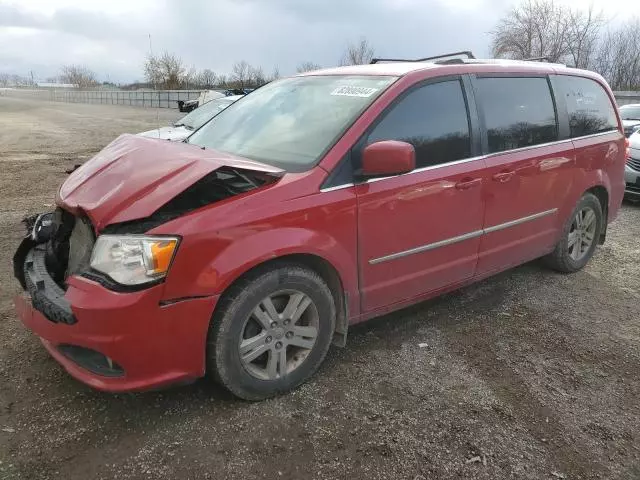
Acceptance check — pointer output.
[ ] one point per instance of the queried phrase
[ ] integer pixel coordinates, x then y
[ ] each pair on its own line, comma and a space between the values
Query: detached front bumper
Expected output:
114, 341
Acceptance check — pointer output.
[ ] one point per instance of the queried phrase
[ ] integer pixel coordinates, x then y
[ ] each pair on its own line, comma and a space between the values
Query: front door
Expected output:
421, 231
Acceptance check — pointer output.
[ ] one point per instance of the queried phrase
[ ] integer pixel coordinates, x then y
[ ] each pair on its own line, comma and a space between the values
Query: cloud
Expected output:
112, 38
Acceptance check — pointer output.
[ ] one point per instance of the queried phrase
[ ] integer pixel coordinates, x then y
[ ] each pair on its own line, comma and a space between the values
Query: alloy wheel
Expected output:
278, 335
582, 233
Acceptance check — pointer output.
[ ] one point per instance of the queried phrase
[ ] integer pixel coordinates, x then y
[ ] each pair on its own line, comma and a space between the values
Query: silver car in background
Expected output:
192, 121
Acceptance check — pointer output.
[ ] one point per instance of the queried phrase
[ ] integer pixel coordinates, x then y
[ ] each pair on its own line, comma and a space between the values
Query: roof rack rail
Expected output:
536, 59
467, 53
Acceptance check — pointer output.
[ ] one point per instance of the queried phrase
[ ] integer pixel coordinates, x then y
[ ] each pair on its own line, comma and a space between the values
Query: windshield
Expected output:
203, 114
630, 113
290, 123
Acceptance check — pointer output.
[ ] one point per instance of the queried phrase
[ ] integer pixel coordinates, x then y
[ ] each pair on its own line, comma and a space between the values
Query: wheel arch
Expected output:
319, 265
602, 194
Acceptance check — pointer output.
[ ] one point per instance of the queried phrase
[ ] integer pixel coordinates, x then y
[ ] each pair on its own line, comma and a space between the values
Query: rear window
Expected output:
589, 106
518, 112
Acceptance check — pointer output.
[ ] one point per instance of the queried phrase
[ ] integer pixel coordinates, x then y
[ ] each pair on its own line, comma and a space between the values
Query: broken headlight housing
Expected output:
134, 259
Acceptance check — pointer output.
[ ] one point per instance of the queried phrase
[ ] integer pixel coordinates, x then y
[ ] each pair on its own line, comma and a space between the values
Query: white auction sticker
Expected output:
348, 91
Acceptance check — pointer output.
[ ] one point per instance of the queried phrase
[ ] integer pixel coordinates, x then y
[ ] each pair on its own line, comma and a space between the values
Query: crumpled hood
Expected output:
175, 134
134, 176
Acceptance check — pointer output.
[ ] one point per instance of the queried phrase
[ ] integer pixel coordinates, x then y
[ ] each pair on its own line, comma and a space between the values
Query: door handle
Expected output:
504, 176
468, 183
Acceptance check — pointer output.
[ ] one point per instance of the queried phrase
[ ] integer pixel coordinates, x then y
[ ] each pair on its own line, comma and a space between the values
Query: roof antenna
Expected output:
155, 89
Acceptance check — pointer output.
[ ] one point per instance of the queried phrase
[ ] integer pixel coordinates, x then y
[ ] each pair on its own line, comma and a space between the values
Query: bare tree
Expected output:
78, 75
205, 79
240, 73
574, 36
583, 35
358, 53
542, 28
535, 28
166, 71
20, 80
4, 79
307, 67
256, 76
222, 81
275, 74
618, 57
190, 78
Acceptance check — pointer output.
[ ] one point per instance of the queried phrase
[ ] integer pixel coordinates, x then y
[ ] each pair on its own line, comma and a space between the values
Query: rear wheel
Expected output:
271, 332
580, 236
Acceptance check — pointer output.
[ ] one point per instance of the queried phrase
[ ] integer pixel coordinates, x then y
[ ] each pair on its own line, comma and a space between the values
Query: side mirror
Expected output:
388, 157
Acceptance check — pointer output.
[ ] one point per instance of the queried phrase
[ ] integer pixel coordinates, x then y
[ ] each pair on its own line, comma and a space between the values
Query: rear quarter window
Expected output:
589, 107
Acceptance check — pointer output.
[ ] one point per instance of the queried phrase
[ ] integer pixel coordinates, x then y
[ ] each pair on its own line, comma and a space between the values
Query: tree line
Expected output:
78, 75
167, 71
576, 37
583, 38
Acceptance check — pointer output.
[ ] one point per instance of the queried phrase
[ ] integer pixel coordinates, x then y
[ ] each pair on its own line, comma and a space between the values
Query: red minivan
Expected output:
314, 203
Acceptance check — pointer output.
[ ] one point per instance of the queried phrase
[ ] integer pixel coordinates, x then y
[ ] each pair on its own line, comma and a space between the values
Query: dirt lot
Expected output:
528, 375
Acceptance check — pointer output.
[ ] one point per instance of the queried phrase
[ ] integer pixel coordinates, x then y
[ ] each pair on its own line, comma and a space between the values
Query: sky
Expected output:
111, 37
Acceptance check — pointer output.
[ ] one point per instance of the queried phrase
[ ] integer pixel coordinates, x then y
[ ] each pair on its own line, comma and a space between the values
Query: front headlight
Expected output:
133, 259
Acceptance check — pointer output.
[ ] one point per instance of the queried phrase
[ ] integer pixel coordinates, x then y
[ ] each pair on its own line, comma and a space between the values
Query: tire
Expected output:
243, 327
564, 258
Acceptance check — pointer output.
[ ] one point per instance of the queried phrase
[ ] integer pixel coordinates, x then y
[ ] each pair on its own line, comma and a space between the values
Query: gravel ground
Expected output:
527, 375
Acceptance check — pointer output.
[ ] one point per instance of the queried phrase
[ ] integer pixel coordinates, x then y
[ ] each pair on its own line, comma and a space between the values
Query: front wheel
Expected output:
271, 332
579, 237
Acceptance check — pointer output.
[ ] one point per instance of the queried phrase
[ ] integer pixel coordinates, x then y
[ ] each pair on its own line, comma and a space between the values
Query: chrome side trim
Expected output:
519, 221
465, 160
430, 167
462, 238
531, 147
337, 187
600, 134
424, 248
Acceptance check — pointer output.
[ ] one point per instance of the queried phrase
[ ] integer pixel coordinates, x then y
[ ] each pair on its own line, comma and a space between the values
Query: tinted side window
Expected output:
433, 118
518, 112
590, 110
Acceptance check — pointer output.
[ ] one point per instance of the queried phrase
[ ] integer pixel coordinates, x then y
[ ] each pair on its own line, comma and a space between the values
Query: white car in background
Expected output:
632, 169
630, 118
192, 121
204, 97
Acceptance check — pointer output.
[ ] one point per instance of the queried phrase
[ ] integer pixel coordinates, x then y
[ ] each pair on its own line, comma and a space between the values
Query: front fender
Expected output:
232, 255
249, 252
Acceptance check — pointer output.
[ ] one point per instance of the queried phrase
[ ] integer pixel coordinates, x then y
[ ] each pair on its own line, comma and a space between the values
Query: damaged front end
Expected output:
59, 244
216, 186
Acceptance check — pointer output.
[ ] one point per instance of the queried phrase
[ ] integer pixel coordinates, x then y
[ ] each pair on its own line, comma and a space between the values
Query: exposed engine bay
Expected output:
218, 185
59, 244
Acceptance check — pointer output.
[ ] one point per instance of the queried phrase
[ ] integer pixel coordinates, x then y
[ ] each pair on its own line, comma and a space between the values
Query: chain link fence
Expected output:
134, 98
164, 98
